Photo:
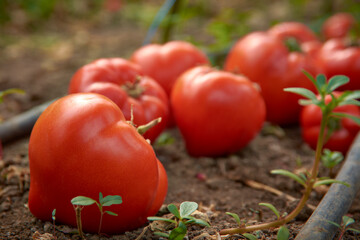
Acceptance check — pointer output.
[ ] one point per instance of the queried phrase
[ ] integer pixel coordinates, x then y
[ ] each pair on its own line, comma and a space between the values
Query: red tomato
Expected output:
338, 25
264, 59
217, 112
341, 139
82, 145
339, 59
165, 63
124, 83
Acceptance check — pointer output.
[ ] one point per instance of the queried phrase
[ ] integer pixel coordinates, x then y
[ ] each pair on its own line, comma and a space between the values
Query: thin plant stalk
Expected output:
78, 221
303, 200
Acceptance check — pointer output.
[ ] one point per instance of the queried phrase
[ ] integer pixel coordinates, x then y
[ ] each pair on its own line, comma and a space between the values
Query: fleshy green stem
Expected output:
304, 198
143, 128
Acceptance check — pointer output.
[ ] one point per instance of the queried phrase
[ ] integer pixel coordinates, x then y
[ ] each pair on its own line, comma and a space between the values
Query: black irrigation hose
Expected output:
22, 124
337, 201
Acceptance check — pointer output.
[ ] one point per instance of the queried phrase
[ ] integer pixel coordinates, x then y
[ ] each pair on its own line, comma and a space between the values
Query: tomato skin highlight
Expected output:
341, 139
165, 63
217, 112
109, 77
82, 145
264, 59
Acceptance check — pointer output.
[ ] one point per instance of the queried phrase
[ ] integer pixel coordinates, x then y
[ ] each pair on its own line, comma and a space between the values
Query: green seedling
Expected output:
82, 201
311, 180
181, 219
53, 218
331, 159
10, 91
345, 226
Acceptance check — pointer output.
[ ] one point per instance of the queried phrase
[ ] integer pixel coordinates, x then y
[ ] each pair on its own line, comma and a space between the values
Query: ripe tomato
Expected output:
124, 83
82, 145
339, 59
165, 63
217, 112
264, 59
338, 25
341, 138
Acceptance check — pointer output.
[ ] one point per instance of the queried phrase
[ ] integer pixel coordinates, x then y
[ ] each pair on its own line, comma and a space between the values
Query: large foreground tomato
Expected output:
125, 84
82, 145
264, 59
341, 138
217, 112
165, 63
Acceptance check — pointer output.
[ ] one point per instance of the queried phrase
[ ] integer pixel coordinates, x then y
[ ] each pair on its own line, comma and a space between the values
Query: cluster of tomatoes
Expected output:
83, 143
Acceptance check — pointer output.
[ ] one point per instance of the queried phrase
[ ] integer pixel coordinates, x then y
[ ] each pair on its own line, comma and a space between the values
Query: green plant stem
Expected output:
101, 219
304, 198
78, 221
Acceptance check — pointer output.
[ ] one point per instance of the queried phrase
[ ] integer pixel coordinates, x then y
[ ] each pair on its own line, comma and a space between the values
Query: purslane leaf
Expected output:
272, 208
345, 115
161, 219
303, 92
283, 233
329, 181
336, 81
289, 174
235, 216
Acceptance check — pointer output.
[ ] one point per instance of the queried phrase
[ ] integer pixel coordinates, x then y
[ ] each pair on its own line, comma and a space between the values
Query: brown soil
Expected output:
217, 184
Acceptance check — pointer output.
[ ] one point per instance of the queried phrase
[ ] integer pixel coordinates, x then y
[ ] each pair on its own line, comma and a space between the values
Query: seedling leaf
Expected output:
10, 91
334, 223
111, 199
161, 219
354, 230
236, 217
82, 201
283, 233
289, 174
347, 220
198, 221
161, 234
303, 92
111, 213
272, 208
320, 81
329, 181
53, 214
179, 232
336, 81
173, 209
344, 115
249, 236
187, 208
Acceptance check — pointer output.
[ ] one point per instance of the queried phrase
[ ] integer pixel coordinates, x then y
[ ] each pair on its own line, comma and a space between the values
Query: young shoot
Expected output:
309, 181
182, 218
103, 202
345, 226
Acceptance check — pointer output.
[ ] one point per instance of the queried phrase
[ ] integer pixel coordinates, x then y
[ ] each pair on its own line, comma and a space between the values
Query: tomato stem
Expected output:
134, 89
144, 128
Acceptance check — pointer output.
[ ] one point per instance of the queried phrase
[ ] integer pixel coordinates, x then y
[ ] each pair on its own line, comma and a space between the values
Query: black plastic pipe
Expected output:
22, 124
337, 201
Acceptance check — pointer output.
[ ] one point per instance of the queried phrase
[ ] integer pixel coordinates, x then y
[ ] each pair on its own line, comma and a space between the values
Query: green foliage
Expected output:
345, 226
182, 219
103, 202
272, 208
10, 91
283, 233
